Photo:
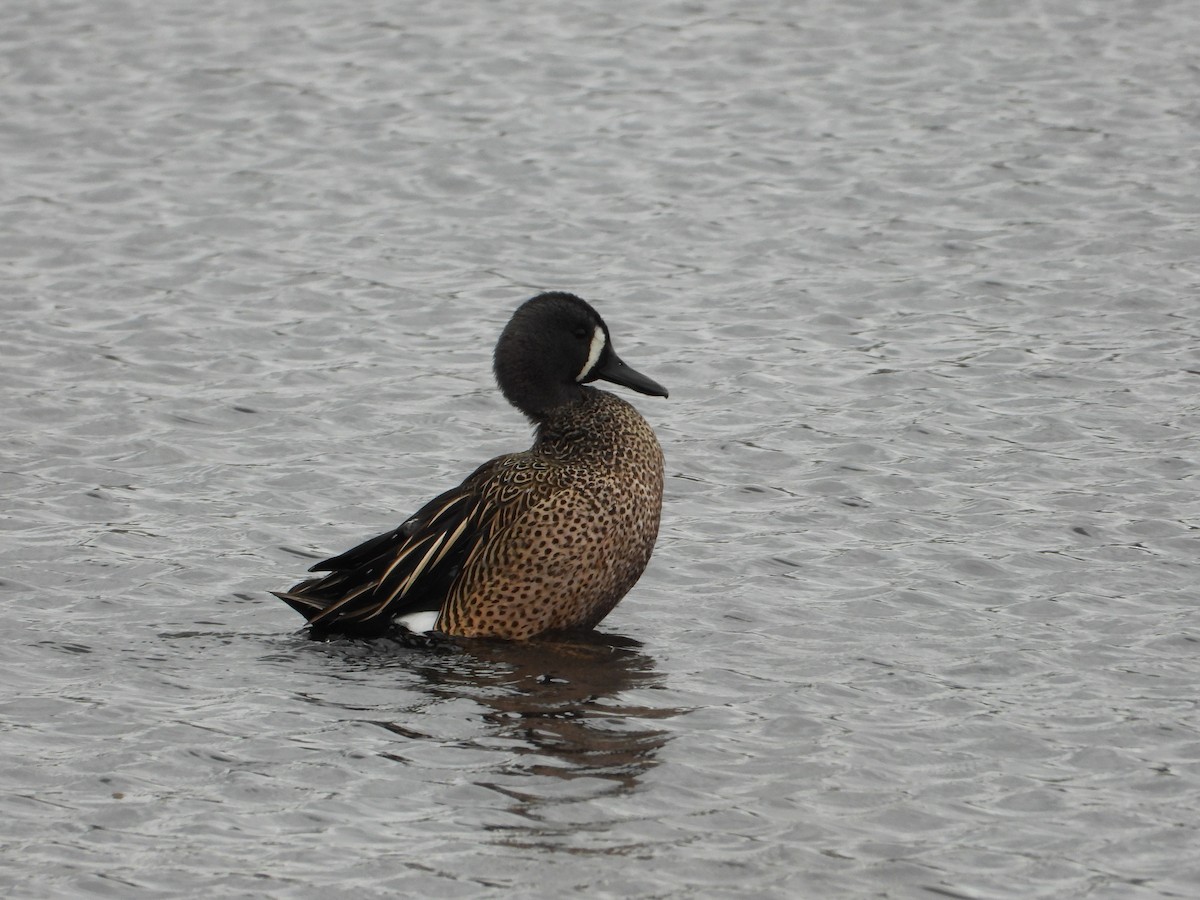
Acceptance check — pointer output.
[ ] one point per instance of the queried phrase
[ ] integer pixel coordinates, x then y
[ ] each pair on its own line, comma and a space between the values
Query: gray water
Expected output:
922, 279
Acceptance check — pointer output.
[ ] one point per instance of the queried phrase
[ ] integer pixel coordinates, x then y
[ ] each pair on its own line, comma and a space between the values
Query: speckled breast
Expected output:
582, 533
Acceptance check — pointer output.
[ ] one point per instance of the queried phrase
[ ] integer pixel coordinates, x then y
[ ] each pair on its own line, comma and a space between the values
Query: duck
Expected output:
541, 542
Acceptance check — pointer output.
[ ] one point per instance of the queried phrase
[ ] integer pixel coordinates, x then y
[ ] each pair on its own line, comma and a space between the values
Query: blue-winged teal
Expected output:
541, 541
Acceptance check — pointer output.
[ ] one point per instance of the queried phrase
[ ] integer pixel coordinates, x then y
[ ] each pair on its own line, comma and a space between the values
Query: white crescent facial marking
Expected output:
593, 353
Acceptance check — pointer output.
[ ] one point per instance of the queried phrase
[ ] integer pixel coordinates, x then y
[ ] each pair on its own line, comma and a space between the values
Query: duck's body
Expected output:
541, 541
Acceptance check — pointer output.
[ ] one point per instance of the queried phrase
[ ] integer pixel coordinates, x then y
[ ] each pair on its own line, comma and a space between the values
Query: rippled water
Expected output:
922, 280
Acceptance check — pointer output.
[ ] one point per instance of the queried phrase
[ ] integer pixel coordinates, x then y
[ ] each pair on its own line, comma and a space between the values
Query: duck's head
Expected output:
553, 344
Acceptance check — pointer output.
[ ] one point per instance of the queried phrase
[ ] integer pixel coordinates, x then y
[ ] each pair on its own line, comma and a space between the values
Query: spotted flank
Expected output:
546, 540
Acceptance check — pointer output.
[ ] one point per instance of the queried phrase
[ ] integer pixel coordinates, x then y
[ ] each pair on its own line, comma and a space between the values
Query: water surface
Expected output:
921, 278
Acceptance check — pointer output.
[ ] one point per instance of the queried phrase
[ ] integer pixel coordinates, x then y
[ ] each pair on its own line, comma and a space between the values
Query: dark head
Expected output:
553, 344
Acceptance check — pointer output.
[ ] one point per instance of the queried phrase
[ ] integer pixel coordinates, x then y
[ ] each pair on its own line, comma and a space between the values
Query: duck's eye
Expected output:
582, 333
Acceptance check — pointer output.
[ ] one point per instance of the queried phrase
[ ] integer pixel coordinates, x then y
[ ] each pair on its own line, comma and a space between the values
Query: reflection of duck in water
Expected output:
557, 705
546, 540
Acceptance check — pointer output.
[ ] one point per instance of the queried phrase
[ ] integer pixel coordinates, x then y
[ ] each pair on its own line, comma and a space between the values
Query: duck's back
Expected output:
579, 515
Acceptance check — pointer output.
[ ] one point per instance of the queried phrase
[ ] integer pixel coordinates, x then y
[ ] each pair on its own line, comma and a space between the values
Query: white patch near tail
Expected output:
419, 622
593, 353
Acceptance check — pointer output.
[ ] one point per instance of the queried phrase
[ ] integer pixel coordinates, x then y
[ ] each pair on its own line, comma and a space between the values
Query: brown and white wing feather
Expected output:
413, 567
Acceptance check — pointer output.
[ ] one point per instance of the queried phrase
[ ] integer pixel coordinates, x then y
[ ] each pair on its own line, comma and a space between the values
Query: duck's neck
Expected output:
586, 426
